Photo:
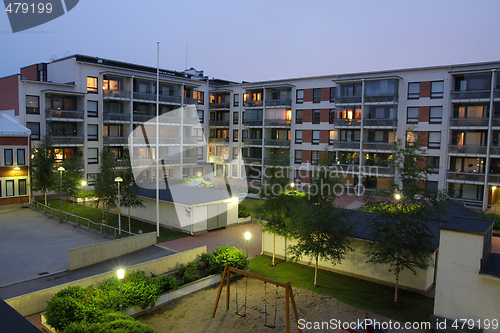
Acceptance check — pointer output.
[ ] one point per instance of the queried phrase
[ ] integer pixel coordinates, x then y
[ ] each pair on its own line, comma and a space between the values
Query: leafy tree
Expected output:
43, 167
321, 230
129, 191
274, 213
401, 224
105, 188
72, 177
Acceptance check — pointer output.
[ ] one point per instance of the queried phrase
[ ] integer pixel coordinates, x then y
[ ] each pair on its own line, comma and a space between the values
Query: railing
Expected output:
140, 141
189, 100
249, 123
217, 159
277, 142
85, 222
494, 150
465, 176
347, 122
190, 141
252, 159
161, 98
376, 170
495, 122
67, 140
115, 140
163, 119
218, 140
63, 114
143, 118
125, 117
279, 102
496, 94
223, 123
116, 94
252, 142
190, 160
346, 145
191, 120
276, 163
348, 99
224, 105
379, 146
346, 168
382, 99
380, 123
477, 94
278, 122
121, 164
469, 122
472, 150
251, 104
494, 179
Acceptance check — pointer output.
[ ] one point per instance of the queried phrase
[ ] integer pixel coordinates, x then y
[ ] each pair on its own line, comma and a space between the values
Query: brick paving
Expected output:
233, 236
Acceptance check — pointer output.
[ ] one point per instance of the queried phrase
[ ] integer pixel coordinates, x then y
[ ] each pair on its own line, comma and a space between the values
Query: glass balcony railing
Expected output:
115, 140
121, 164
347, 122
118, 94
68, 140
348, 99
469, 150
251, 104
382, 99
249, 123
63, 115
252, 142
218, 140
224, 105
279, 102
219, 123
380, 123
161, 98
277, 142
465, 176
467, 95
121, 117
143, 117
469, 122
379, 146
278, 122
345, 145
189, 100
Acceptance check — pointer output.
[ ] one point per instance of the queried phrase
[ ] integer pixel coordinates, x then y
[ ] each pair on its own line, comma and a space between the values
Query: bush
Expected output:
189, 273
65, 307
166, 283
495, 218
243, 211
209, 263
224, 255
113, 322
139, 289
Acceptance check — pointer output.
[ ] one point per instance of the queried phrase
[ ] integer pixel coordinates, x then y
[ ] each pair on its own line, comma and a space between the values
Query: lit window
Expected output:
32, 105
92, 85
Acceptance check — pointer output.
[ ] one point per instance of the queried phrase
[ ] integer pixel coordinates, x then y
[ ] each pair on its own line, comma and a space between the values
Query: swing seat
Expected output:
270, 326
241, 314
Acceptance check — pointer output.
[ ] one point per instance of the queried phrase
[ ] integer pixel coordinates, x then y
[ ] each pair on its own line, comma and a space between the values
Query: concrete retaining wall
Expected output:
89, 255
36, 302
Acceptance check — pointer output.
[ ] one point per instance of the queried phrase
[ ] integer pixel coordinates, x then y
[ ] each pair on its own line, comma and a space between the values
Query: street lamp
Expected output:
119, 180
120, 274
397, 196
247, 237
199, 174
84, 183
60, 169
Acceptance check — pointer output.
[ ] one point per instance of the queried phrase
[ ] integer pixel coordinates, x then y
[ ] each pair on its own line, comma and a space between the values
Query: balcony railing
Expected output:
496, 93
250, 159
278, 122
279, 102
252, 142
377, 170
143, 118
249, 123
218, 140
122, 117
121, 164
119, 94
380, 123
219, 123
494, 150
468, 95
347, 122
190, 141
348, 99
217, 159
346, 145
465, 176
115, 140
382, 99
161, 98
252, 104
494, 179
163, 119
189, 100
64, 115
379, 146
346, 168
277, 142
276, 163
224, 105
469, 150
69, 140
469, 122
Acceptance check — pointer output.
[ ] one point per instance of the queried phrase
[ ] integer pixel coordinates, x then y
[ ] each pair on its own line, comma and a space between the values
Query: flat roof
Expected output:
468, 225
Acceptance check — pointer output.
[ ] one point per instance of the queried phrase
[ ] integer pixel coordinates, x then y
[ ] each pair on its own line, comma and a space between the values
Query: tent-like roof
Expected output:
11, 127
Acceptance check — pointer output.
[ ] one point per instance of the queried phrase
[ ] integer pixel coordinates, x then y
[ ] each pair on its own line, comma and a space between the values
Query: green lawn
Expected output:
93, 214
367, 296
252, 204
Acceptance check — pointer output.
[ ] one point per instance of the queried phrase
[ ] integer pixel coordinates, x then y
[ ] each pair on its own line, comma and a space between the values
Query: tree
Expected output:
402, 216
105, 188
320, 229
129, 192
43, 167
72, 177
274, 213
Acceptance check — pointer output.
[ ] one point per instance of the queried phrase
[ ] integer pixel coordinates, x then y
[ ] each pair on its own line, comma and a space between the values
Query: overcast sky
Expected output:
260, 40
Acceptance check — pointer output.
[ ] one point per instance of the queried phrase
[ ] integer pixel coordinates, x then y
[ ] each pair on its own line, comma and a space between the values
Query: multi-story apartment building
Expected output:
355, 118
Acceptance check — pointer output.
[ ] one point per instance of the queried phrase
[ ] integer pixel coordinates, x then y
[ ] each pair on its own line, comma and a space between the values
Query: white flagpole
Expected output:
157, 139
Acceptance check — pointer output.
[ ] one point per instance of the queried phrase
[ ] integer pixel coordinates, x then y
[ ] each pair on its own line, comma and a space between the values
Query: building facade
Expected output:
356, 119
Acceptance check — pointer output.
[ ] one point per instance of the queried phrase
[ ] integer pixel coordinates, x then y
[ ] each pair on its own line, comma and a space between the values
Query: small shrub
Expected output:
166, 283
243, 211
495, 218
229, 255
189, 273
65, 307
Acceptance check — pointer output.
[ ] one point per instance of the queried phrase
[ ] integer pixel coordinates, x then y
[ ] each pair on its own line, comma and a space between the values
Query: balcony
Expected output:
116, 117
279, 103
63, 115
347, 122
278, 122
348, 100
115, 140
379, 146
116, 94
252, 159
151, 140
142, 118
465, 177
277, 143
392, 123
253, 123
189, 100
467, 150
253, 104
252, 142
377, 170
494, 150
342, 145
496, 94
166, 119
469, 122
162, 98
382, 99
494, 179
70, 140
217, 159
218, 140
219, 123
190, 141
190, 160
121, 164
219, 106
470, 95
345, 168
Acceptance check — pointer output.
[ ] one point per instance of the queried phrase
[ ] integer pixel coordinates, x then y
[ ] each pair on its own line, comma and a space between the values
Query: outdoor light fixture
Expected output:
199, 174
16, 169
120, 274
60, 169
493, 188
233, 200
247, 237
119, 180
292, 184
397, 196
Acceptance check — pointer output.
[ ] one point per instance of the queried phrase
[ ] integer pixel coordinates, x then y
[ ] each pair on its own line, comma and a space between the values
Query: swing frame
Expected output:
288, 293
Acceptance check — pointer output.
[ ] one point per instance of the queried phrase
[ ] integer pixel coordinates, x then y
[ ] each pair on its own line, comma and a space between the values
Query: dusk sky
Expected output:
262, 40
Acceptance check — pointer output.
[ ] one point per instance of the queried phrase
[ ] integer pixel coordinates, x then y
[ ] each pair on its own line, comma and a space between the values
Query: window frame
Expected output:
7, 182
299, 100
24, 188
236, 118
435, 120
316, 119
315, 141
236, 100
434, 144
333, 91
438, 94
408, 115
35, 110
92, 160
433, 169
23, 156
316, 99
331, 116
93, 114
295, 160
297, 142
11, 157
314, 157
94, 137
235, 135
413, 95
92, 89
297, 119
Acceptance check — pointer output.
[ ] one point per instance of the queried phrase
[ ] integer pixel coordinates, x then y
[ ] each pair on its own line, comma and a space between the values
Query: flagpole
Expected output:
157, 139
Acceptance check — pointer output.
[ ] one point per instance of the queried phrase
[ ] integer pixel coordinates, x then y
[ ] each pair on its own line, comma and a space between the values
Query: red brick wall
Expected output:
322, 155
305, 176
307, 136
324, 136
423, 137
324, 116
307, 116
306, 156
424, 113
29, 72
14, 200
13, 141
308, 95
325, 94
9, 93
425, 89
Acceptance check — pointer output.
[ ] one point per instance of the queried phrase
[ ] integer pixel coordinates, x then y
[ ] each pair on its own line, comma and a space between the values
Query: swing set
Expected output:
288, 296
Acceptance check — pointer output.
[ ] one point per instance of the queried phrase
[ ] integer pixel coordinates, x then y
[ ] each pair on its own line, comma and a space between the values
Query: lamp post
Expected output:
199, 174
119, 180
397, 196
247, 237
60, 169
292, 185
84, 183
120, 274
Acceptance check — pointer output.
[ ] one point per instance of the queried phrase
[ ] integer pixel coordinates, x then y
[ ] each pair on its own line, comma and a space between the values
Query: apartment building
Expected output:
355, 118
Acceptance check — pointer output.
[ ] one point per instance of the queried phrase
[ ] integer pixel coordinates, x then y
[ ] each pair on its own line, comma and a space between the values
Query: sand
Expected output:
193, 313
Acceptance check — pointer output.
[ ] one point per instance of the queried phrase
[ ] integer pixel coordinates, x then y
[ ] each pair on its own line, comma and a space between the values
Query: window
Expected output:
92, 132
21, 183
20, 157
235, 152
9, 188
314, 157
185, 172
200, 96
32, 105
414, 90
434, 140
300, 96
331, 117
199, 153
436, 114
299, 114
412, 116
433, 164
8, 158
316, 95
332, 137
92, 109
437, 89
92, 85
411, 138
332, 95
298, 137
243, 118
201, 116
432, 185
234, 171
35, 130
315, 138
298, 157
235, 118
316, 116
235, 135
236, 101
93, 156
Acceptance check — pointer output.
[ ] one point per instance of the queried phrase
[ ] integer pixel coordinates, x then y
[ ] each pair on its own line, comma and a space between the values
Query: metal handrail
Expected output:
64, 114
